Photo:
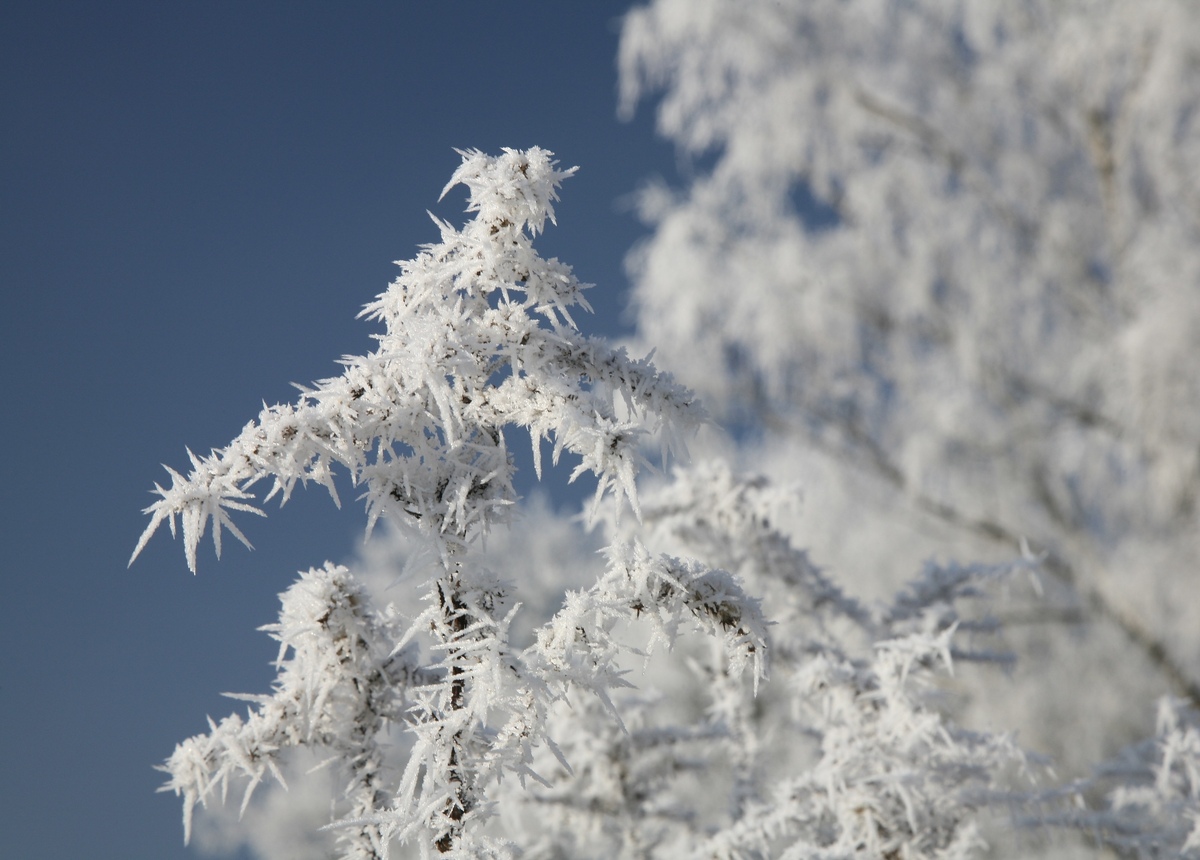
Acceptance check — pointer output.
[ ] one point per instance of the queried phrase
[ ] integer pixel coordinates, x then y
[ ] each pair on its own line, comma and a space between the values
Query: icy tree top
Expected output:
519, 188
478, 337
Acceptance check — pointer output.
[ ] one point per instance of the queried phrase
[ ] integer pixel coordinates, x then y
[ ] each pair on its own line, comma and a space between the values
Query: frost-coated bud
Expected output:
511, 190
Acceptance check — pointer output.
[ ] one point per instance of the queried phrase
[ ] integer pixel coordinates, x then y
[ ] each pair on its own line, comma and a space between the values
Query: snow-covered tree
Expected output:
942, 260
629, 712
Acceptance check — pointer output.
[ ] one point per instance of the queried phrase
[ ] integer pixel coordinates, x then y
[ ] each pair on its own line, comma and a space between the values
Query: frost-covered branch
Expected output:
577, 647
478, 337
339, 687
708, 512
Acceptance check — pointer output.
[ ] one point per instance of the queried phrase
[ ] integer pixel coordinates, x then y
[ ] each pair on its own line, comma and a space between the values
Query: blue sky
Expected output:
196, 199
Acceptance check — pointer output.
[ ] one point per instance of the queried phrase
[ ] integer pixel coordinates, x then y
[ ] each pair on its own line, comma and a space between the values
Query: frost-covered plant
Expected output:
636, 718
479, 338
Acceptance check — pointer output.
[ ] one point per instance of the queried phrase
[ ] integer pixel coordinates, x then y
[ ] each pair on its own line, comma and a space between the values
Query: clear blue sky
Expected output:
196, 199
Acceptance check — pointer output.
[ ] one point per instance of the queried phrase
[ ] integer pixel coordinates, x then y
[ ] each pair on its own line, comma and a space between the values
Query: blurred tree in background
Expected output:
940, 262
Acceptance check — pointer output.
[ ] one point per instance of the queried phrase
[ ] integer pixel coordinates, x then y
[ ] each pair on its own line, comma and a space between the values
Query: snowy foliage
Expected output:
709, 692
943, 227
954, 243
941, 261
